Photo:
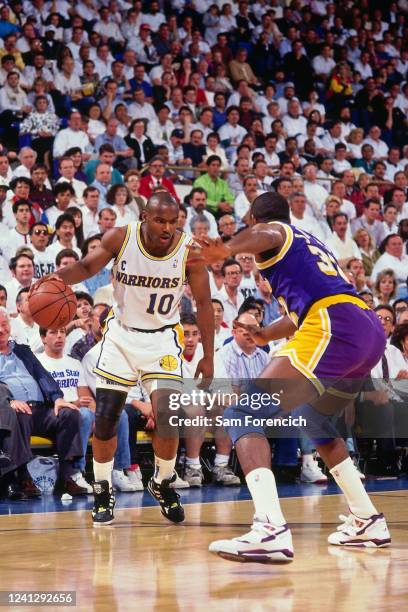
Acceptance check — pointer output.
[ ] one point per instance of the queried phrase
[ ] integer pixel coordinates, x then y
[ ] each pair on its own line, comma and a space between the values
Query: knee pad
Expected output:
319, 427
109, 406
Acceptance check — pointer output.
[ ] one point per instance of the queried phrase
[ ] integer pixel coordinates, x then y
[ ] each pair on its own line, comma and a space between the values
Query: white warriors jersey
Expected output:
147, 290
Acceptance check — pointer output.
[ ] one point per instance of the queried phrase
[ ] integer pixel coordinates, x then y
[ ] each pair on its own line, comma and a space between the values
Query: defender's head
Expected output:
161, 217
269, 206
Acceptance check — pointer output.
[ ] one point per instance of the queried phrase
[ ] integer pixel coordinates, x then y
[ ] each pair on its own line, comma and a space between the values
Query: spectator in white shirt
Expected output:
39, 237
389, 222
103, 62
27, 157
90, 211
67, 82
230, 296
379, 146
139, 108
19, 235
24, 329
340, 163
393, 163
22, 268
243, 202
231, 134
198, 203
363, 66
72, 136
343, 246
106, 28
324, 63
399, 200
394, 258
293, 122
339, 190
64, 194
298, 206
67, 172
332, 137
269, 151
316, 194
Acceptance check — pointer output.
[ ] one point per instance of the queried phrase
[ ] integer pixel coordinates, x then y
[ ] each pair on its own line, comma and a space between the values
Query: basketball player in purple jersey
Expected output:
335, 341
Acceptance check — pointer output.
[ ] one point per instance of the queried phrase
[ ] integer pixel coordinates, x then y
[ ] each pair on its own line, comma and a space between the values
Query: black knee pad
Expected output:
109, 405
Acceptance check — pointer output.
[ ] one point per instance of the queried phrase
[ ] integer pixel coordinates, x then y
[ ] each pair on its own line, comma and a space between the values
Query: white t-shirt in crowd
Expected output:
67, 373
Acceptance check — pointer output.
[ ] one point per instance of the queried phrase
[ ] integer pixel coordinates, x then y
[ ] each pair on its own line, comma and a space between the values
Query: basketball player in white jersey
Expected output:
143, 338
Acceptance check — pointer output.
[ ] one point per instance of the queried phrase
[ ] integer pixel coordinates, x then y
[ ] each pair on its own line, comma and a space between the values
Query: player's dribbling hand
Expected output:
208, 251
204, 371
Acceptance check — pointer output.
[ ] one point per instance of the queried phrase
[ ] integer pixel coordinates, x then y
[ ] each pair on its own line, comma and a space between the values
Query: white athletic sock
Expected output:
103, 471
193, 462
346, 476
163, 468
262, 486
221, 459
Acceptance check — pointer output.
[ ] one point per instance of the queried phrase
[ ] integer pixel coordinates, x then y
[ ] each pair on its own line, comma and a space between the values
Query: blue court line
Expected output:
207, 494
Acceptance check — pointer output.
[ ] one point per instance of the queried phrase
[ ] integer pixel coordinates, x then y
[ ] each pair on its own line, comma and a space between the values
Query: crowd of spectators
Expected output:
104, 101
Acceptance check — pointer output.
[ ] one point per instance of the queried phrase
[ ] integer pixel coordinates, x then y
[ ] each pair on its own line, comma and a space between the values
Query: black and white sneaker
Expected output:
104, 503
168, 499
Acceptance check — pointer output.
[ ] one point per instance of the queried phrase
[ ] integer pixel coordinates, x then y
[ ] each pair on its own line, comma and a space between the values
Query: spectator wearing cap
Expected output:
156, 177
141, 145
143, 46
219, 196
175, 147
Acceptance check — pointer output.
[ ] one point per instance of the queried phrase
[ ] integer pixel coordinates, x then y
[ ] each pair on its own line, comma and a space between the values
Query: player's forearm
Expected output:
75, 273
282, 328
252, 240
205, 322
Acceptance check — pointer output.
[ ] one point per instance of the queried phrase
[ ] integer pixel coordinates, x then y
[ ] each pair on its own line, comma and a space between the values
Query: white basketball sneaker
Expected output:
265, 543
369, 532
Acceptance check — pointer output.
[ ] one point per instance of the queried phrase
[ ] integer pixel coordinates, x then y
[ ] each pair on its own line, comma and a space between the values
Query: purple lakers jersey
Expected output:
303, 272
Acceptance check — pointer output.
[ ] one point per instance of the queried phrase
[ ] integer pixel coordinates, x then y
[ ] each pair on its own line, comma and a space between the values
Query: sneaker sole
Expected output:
365, 543
277, 558
321, 481
107, 523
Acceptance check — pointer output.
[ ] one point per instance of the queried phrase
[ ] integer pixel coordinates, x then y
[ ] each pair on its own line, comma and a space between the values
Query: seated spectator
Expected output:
39, 404
156, 177
24, 329
198, 206
67, 257
22, 268
40, 192
106, 156
19, 234
42, 124
72, 136
13, 105
67, 174
392, 257
39, 237
368, 251
141, 145
64, 194
120, 198
123, 152
231, 133
245, 199
298, 206
380, 148
385, 288
229, 295
106, 219
222, 331
369, 221
227, 226
219, 196
65, 236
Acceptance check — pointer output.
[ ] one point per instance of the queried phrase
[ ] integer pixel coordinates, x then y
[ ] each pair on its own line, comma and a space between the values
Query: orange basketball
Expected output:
52, 304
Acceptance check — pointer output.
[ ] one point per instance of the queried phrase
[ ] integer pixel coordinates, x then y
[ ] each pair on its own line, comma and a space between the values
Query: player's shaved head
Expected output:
159, 199
270, 207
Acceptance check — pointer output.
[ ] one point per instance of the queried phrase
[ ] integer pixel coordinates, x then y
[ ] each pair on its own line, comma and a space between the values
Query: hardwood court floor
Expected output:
144, 563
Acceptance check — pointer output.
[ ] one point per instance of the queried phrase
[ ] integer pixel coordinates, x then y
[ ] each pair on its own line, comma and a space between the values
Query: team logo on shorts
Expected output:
168, 363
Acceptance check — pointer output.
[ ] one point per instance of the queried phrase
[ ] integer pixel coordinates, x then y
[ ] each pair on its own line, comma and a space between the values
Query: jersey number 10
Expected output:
164, 305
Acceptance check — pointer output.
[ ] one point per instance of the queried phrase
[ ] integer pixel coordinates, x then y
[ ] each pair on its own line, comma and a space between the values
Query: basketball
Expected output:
52, 304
